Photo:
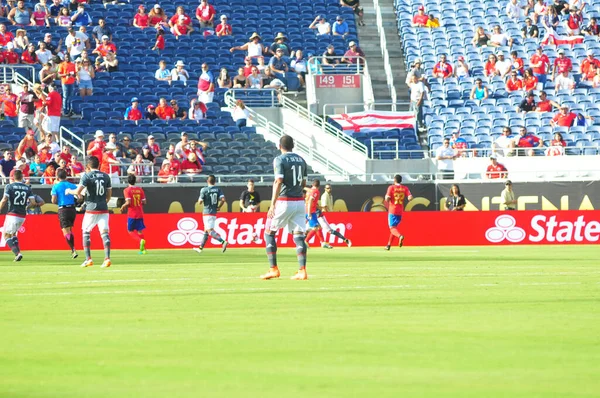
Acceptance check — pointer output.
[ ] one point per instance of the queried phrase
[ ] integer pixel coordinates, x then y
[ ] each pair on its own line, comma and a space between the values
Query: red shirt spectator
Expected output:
67, 72
442, 69
180, 17
5, 36
141, 19
10, 103
223, 29
27, 142
514, 83
490, 66
103, 48
495, 170
160, 41
518, 64
588, 62
29, 56
10, 56
96, 147
420, 19
539, 63
528, 140
205, 14
165, 111
53, 102
530, 82
107, 159
190, 167
562, 63
563, 118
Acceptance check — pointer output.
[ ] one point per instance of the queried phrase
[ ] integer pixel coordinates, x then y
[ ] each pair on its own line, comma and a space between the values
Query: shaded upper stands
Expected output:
449, 108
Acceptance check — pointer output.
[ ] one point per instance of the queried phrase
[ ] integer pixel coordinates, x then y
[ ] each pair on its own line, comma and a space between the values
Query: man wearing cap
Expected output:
330, 57
151, 112
417, 71
50, 145
133, 112
26, 106
340, 27
223, 29
10, 56
420, 18
321, 25
154, 147
503, 66
81, 17
350, 56
206, 85
51, 47
495, 169
588, 62
101, 30
205, 13
561, 64
109, 161
280, 44
96, 147
530, 30
104, 47
442, 69
76, 42
10, 100
179, 73
564, 118
508, 200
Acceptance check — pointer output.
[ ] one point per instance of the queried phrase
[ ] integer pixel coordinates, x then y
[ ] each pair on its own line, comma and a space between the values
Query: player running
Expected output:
99, 192
213, 199
287, 207
394, 197
135, 199
66, 208
18, 196
317, 220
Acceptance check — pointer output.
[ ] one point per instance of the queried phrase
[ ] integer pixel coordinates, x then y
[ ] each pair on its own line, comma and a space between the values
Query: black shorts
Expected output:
66, 216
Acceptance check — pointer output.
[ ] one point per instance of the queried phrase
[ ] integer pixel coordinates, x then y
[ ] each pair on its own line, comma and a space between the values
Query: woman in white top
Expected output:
240, 114
21, 41
254, 47
197, 110
254, 80
85, 74
461, 69
178, 73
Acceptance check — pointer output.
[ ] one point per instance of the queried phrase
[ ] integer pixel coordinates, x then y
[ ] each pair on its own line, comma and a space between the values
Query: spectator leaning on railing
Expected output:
445, 160
495, 169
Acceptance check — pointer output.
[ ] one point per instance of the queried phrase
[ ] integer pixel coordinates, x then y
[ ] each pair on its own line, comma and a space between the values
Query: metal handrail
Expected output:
270, 101
16, 77
367, 107
63, 141
385, 54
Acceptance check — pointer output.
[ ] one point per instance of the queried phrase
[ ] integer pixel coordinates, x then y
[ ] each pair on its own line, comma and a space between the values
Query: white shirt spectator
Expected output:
323, 28
499, 38
445, 164
503, 67
44, 56
514, 10
416, 89
564, 83
504, 144
53, 147
239, 113
76, 43
181, 74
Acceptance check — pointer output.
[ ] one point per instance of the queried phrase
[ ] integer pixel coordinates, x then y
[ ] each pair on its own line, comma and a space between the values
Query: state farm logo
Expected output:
505, 229
187, 232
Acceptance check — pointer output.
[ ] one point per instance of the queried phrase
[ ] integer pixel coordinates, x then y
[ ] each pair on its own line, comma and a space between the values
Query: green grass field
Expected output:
413, 322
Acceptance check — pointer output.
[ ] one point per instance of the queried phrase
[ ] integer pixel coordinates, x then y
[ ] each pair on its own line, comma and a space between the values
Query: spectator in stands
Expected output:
505, 144
53, 103
596, 79
489, 70
564, 82
180, 113
127, 150
481, 39
321, 25
539, 11
81, 17
224, 81
528, 104
582, 120
147, 154
133, 112
28, 142
432, 22
528, 140
101, 30
26, 106
416, 70
350, 57
544, 104
9, 55
508, 197
530, 82
459, 144
514, 10
37, 167
574, 21
557, 146
154, 147
7, 163
48, 41
358, 10
270, 81
76, 166
9, 103
64, 18
593, 29
40, 16
43, 54
96, 147
280, 43
21, 41
151, 112
499, 39
495, 169
479, 91
298, 65
417, 96
420, 18
104, 47
141, 19
461, 69
503, 66
112, 139
182, 145
20, 15
140, 167
455, 200
277, 64
223, 29
164, 174
190, 165
445, 156
517, 63
164, 110
255, 80
330, 57
587, 79
197, 110
240, 114
514, 83
247, 66
180, 17
85, 75
5, 36
162, 73
588, 62
443, 69
110, 62
206, 85
253, 47
51, 147
181, 27
530, 30
160, 41
340, 27
197, 148
47, 74
205, 13
157, 17
561, 64
22, 165
179, 73
76, 42
250, 199
67, 72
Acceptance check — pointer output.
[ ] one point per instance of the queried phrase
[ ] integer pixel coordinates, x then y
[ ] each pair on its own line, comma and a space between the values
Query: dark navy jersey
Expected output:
97, 183
19, 196
292, 168
210, 197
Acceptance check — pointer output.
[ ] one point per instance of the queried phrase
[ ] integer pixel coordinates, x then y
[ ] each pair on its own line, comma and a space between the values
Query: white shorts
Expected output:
52, 124
205, 97
289, 213
12, 224
324, 224
209, 221
26, 121
90, 220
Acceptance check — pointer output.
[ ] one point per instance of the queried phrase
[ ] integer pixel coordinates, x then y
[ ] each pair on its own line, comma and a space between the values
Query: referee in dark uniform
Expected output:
66, 208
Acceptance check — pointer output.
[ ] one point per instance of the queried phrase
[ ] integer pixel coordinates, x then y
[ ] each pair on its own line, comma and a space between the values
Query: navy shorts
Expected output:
394, 220
135, 224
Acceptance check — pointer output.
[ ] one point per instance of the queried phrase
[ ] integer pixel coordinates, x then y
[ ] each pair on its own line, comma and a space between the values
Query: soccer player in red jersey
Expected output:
135, 199
312, 203
394, 197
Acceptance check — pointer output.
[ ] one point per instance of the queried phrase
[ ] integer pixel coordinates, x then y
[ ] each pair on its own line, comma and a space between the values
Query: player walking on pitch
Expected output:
287, 207
18, 196
99, 192
317, 220
66, 208
213, 199
135, 199
394, 197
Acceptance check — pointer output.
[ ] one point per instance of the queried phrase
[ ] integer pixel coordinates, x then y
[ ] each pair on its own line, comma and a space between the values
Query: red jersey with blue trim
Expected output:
136, 197
397, 194
314, 194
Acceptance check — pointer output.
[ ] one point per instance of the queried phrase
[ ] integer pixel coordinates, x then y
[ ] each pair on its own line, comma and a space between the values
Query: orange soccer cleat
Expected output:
273, 273
87, 263
107, 263
301, 275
